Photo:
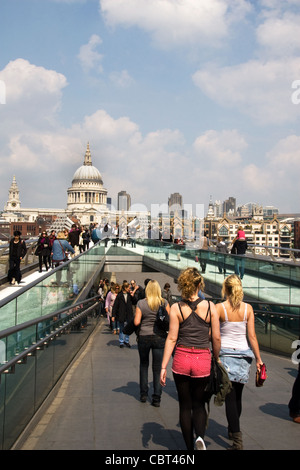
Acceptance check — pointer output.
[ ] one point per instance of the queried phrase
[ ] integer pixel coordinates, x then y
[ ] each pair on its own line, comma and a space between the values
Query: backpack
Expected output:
161, 325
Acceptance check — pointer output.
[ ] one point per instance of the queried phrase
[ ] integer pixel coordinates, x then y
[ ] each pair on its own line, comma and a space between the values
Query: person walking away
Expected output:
190, 322
60, 248
203, 253
148, 340
236, 324
86, 239
17, 251
221, 249
122, 313
238, 249
44, 251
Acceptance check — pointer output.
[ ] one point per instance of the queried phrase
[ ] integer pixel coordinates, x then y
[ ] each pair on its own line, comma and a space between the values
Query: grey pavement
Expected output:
96, 406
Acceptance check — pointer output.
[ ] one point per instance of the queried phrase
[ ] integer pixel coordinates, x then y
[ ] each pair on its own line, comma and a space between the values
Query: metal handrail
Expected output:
20, 358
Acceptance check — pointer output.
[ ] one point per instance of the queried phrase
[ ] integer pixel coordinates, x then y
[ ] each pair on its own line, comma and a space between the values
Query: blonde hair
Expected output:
61, 235
153, 295
189, 282
233, 290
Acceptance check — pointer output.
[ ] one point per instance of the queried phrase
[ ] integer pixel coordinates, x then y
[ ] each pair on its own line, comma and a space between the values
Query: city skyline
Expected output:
172, 97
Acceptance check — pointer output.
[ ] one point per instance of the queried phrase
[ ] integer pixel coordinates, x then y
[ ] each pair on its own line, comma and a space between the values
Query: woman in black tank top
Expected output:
190, 322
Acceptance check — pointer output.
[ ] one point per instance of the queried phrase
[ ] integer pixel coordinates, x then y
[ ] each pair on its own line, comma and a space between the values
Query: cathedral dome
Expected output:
87, 196
87, 173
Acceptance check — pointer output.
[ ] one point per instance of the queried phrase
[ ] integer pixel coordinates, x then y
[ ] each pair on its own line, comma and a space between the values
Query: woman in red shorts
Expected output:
190, 321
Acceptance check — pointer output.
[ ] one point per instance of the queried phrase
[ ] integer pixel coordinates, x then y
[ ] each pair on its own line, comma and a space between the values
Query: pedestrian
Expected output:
221, 249
86, 237
17, 251
190, 321
43, 251
52, 237
136, 291
167, 294
109, 302
74, 238
238, 249
60, 248
122, 313
148, 340
236, 324
204, 252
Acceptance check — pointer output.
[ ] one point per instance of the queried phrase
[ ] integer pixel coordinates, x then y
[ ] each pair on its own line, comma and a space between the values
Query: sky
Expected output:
200, 97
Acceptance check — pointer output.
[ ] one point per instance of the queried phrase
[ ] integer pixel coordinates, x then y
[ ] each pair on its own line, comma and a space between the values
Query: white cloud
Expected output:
277, 178
121, 79
220, 148
176, 22
280, 36
28, 83
88, 55
259, 89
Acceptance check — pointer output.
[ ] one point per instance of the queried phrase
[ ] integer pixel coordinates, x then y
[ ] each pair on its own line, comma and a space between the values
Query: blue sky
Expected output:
186, 96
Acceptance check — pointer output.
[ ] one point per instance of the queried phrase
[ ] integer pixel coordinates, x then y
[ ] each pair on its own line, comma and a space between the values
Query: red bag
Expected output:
261, 376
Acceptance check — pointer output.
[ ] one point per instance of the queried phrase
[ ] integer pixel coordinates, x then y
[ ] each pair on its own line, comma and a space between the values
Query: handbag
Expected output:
219, 383
161, 324
215, 379
261, 376
130, 328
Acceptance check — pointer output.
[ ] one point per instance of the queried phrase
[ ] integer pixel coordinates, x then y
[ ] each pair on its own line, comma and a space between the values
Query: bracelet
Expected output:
163, 368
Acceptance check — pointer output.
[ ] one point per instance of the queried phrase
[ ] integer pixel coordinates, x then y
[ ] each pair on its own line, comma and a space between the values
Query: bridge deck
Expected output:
96, 406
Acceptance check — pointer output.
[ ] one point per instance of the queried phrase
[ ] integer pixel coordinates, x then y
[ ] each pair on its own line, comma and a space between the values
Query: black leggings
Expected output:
233, 406
192, 412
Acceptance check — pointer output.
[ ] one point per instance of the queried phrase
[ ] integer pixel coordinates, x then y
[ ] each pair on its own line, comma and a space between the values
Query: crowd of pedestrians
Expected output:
56, 248
198, 330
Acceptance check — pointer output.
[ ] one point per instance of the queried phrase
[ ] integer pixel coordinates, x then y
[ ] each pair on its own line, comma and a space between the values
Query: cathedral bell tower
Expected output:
13, 204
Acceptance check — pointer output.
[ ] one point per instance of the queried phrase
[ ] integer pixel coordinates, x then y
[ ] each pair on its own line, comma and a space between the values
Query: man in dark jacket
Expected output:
239, 249
74, 238
122, 312
17, 251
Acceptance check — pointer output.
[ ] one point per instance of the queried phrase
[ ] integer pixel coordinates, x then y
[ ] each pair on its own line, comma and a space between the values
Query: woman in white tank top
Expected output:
236, 324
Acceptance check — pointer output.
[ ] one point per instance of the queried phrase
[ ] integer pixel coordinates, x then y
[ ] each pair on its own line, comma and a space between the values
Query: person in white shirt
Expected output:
236, 323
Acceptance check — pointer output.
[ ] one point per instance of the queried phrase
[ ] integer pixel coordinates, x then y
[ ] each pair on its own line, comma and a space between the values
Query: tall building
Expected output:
175, 202
229, 206
124, 201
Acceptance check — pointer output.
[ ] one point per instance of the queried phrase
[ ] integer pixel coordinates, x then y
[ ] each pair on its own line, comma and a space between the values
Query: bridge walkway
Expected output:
96, 406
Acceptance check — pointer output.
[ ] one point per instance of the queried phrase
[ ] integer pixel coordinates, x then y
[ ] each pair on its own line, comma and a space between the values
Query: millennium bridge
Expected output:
66, 385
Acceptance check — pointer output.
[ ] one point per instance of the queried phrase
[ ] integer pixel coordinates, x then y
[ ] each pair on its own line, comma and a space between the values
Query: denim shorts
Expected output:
237, 364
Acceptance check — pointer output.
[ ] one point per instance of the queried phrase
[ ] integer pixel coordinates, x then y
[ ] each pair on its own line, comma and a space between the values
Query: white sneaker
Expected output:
13, 281
16, 283
200, 444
